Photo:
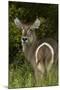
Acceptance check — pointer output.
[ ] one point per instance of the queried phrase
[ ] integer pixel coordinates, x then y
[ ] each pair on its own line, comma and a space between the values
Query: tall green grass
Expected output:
23, 76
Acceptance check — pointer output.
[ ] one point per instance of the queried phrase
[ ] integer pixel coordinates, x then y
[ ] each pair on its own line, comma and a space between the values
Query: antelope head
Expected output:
28, 31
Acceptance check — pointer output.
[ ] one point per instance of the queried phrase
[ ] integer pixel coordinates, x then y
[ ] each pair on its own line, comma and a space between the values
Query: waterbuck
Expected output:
42, 54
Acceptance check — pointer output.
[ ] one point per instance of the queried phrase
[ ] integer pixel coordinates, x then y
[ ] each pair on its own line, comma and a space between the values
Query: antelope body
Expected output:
41, 54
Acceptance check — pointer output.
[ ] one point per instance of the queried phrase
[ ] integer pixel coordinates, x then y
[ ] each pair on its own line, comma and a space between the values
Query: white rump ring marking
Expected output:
52, 51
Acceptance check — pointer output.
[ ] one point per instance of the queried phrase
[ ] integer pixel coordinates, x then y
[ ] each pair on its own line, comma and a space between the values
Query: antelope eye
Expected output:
29, 32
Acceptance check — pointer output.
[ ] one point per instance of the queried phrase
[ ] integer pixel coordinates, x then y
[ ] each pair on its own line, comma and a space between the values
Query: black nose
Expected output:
24, 38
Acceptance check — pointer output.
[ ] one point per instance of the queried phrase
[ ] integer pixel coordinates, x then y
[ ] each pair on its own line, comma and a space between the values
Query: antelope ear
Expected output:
18, 23
36, 24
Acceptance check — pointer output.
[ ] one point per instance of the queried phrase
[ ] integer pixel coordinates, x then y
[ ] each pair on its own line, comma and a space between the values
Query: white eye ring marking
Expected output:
23, 31
29, 32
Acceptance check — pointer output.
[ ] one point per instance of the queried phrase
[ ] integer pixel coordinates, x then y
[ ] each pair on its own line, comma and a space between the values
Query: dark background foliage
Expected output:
27, 12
